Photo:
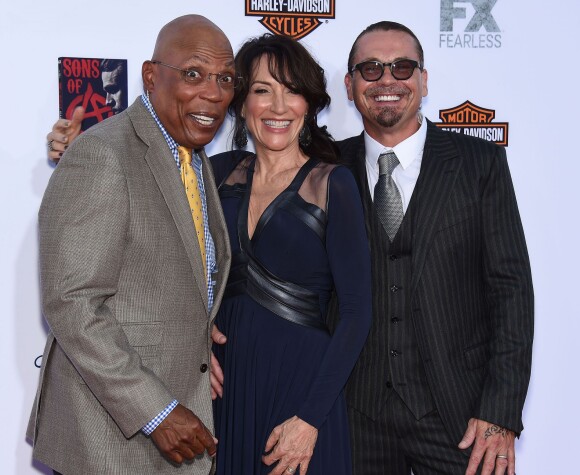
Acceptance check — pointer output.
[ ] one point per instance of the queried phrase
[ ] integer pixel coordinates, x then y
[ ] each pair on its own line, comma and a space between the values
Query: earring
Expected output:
305, 137
241, 134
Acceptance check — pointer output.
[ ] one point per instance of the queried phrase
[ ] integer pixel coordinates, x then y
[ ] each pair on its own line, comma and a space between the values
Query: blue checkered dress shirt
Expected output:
210, 260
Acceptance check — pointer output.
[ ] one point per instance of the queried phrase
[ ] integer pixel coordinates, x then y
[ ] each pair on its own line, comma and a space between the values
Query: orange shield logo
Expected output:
469, 119
294, 18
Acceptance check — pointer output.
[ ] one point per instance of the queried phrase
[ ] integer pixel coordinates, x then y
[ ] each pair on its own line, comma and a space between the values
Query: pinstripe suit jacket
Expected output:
471, 289
124, 294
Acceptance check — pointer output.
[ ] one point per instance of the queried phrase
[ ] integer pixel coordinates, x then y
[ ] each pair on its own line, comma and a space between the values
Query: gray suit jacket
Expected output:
124, 294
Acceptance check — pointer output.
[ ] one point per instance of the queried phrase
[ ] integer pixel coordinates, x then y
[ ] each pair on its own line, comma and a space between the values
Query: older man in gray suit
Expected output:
128, 289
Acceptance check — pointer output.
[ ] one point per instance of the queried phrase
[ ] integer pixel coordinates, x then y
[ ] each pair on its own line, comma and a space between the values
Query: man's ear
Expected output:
424, 77
148, 75
348, 84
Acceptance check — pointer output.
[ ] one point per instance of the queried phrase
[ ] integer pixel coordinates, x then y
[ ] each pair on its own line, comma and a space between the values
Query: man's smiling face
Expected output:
388, 106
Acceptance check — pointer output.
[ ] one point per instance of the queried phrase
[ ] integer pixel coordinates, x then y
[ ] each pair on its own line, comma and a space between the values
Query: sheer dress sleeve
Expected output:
349, 257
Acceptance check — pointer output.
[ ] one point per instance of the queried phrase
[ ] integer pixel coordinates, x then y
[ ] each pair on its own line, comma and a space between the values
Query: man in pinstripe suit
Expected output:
441, 382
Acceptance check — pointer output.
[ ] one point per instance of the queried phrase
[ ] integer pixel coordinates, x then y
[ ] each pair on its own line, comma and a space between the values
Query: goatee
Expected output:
388, 117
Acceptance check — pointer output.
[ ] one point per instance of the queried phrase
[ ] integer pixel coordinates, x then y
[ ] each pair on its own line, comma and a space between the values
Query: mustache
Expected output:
395, 89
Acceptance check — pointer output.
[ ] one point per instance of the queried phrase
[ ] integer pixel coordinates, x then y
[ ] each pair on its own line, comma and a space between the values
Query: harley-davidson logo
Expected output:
294, 18
473, 120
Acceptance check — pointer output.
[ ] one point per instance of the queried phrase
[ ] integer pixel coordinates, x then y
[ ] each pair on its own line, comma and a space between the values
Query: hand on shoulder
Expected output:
63, 133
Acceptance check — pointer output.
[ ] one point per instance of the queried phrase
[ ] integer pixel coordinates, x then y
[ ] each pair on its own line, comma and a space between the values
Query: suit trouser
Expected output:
396, 442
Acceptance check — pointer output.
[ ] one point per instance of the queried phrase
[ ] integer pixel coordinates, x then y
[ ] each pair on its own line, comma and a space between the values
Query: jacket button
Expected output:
395, 353
203, 368
395, 320
395, 288
393, 257
389, 384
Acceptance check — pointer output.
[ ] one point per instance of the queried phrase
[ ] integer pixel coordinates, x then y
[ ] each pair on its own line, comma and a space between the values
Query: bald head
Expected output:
177, 32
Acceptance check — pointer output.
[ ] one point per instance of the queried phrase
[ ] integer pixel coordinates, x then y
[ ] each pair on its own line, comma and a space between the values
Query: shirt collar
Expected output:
170, 141
196, 160
407, 151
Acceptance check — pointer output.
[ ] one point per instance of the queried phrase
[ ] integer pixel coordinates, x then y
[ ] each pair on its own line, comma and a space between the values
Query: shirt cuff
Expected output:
158, 419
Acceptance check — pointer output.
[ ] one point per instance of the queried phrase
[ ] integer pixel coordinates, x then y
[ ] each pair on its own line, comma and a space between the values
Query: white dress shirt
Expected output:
410, 155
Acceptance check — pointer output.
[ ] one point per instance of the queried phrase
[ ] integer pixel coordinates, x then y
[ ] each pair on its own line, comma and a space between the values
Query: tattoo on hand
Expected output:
493, 430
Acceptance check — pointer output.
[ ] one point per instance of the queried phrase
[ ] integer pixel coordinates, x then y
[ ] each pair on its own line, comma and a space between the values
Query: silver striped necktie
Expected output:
387, 197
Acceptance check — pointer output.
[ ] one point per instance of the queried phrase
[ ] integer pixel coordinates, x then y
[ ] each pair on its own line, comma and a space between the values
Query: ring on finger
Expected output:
290, 470
49, 145
501, 456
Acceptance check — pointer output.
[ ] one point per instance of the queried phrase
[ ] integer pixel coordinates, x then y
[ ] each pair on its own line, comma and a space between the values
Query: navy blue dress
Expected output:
280, 360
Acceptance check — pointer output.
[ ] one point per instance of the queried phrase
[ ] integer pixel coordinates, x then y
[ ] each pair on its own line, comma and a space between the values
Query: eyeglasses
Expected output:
371, 71
226, 81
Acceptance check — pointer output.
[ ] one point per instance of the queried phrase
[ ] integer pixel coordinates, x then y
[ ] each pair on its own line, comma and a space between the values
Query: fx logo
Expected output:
482, 16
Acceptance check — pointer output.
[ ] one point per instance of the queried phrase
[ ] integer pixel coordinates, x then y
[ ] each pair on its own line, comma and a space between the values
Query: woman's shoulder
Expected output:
226, 159
224, 163
334, 173
326, 180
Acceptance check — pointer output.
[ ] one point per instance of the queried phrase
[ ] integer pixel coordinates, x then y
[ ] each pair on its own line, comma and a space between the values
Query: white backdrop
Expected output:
527, 77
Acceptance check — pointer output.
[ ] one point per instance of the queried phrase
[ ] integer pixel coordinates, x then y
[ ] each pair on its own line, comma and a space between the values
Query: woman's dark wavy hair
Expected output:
290, 64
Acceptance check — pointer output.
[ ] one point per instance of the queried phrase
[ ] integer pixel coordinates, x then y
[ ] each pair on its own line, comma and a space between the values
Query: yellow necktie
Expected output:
189, 179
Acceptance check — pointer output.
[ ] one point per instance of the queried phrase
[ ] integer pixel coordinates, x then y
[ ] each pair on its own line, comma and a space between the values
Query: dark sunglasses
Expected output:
401, 69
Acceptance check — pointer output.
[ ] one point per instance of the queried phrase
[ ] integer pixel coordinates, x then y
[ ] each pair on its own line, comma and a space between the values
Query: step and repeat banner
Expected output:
502, 70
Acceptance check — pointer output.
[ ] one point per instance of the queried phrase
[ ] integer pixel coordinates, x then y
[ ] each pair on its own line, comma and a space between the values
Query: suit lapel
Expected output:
439, 170
353, 157
163, 167
218, 229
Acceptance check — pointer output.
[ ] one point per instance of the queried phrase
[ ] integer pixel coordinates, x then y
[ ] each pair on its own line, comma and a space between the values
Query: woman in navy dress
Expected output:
297, 233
